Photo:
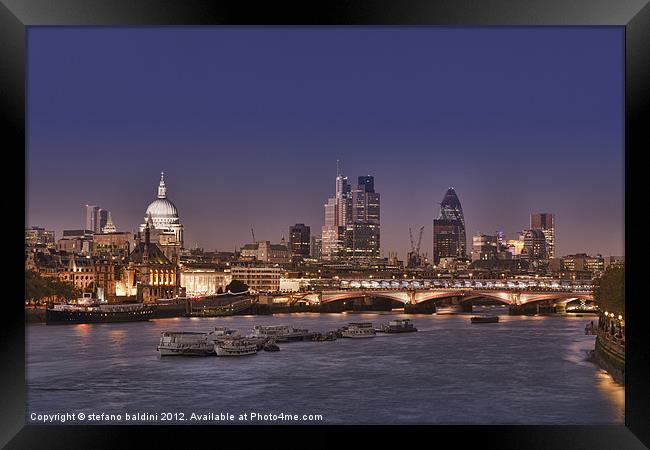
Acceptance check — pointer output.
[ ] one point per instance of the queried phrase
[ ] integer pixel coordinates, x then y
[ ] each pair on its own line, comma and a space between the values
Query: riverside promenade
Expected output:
609, 351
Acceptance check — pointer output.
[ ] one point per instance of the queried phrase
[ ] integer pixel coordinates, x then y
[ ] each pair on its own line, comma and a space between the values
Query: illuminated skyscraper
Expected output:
352, 220
449, 237
546, 223
362, 232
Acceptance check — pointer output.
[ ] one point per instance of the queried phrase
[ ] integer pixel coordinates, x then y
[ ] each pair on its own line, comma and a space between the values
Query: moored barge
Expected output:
94, 313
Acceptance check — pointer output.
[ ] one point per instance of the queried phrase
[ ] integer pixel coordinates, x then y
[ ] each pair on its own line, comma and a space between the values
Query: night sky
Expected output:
247, 124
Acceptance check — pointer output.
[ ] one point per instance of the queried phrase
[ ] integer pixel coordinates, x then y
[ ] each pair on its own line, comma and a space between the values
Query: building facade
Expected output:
535, 247
204, 281
36, 236
264, 251
258, 278
315, 247
76, 241
299, 240
484, 247
151, 273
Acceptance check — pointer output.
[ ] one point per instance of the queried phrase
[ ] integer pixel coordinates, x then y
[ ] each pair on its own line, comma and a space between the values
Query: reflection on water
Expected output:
523, 370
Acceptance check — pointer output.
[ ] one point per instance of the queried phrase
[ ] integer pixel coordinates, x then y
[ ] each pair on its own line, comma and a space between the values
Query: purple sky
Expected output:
247, 124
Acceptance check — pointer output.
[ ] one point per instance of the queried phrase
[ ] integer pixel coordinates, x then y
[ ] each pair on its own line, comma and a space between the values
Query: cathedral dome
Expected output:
162, 208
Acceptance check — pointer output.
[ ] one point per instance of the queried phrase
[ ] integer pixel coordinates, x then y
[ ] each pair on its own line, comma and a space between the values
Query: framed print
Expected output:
350, 216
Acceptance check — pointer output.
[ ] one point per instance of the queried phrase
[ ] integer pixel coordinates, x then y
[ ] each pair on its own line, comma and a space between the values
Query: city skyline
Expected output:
506, 138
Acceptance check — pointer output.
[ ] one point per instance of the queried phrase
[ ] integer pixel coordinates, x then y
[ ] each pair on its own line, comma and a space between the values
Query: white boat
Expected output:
399, 326
280, 333
235, 347
358, 330
192, 343
184, 343
220, 334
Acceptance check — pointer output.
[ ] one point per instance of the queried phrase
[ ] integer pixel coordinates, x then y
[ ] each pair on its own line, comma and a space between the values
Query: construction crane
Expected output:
414, 259
417, 249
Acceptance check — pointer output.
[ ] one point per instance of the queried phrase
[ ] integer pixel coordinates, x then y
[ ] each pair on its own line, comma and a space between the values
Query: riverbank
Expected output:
609, 355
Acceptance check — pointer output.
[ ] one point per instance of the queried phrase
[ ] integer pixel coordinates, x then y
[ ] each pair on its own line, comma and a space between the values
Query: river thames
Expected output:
523, 370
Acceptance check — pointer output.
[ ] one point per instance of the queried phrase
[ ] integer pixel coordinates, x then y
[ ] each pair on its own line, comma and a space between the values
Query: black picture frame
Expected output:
633, 15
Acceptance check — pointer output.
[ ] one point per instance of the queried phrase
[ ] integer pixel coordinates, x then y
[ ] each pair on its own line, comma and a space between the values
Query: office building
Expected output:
546, 223
299, 240
449, 236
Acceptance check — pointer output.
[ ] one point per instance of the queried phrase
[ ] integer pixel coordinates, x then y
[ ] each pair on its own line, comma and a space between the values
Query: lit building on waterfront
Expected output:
151, 275
204, 281
546, 223
449, 236
78, 270
162, 215
258, 278
299, 240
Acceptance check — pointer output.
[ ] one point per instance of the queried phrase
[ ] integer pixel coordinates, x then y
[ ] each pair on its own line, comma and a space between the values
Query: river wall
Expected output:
609, 354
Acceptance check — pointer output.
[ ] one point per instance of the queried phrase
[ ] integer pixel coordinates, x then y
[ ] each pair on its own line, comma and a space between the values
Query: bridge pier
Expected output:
467, 306
426, 308
520, 310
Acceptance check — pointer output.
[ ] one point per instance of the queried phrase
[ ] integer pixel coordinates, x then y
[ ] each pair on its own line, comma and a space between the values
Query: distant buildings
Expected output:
484, 247
264, 251
315, 247
96, 218
545, 222
36, 236
76, 241
535, 246
352, 220
110, 226
449, 236
299, 240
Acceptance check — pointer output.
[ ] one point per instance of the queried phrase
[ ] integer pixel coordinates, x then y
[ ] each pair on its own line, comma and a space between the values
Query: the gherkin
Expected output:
449, 236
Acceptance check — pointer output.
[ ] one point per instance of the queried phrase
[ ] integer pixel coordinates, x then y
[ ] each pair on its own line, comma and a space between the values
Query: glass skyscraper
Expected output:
449, 236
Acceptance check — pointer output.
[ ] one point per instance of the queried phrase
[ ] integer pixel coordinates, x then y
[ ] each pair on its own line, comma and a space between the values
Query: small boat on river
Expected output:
398, 326
358, 330
485, 319
235, 347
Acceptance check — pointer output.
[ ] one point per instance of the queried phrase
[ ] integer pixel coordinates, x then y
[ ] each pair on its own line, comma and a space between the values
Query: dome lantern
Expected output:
162, 189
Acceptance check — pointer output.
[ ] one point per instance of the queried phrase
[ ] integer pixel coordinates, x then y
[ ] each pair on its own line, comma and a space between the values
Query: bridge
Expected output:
422, 292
